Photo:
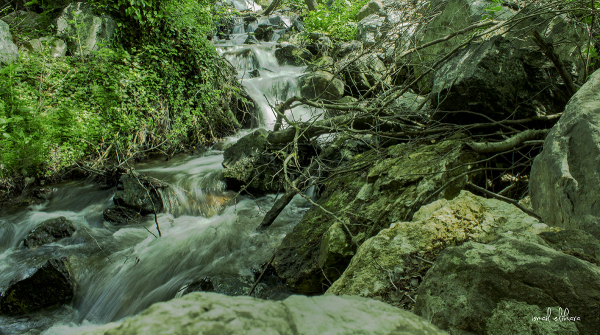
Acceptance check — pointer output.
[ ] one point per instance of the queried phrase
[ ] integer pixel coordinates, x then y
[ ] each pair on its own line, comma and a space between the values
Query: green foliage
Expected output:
165, 88
335, 19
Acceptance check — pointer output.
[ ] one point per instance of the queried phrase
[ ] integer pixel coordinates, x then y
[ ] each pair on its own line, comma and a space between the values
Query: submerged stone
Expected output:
119, 215
139, 193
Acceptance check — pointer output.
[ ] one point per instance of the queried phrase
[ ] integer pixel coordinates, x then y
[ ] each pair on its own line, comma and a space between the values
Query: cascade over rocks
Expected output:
371, 195
211, 313
48, 285
49, 231
401, 249
465, 287
80, 27
565, 176
499, 80
9, 53
140, 194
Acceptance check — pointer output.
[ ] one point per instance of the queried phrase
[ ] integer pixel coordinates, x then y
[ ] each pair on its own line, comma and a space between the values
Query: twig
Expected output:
261, 274
505, 199
99, 247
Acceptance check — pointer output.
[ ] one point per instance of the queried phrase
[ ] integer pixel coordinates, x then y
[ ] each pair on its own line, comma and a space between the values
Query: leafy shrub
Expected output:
335, 19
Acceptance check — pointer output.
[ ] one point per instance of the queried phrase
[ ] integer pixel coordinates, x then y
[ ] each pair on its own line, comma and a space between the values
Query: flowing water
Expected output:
205, 230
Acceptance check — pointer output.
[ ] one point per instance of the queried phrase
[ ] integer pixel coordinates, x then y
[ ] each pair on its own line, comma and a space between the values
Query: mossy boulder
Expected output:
84, 31
465, 287
249, 164
49, 231
407, 249
374, 192
321, 85
48, 285
293, 55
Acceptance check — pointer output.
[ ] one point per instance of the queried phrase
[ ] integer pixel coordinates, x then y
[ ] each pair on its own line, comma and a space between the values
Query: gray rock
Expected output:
298, 25
516, 317
53, 46
372, 7
250, 165
264, 32
119, 215
293, 55
369, 30
321, 85
466, 217
343, 49
364, 72
49, 231
465, 287
574, 242
48, 285
565, 177
80, 27
140, 194
211, 313
9, 52
407, 102
498, 79
320, 46
25, 21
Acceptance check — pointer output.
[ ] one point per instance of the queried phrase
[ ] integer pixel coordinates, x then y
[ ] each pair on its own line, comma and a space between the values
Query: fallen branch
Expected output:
548, 50
510, 143
505, 199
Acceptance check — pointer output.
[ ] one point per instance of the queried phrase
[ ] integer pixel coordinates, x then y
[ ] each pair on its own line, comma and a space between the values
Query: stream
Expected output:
205, 232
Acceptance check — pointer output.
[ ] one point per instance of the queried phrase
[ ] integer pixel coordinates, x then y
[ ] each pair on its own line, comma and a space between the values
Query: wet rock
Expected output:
9, 53
210, 313
369, 30
80, 27
497, 79
321, 85
368, 199
364, 72
407, 249
254, 74
565, 176
49, 231
372, 7
320, 46
264, 32
51, 46
231, 286
343, 49
140, 194
249, 164
50, 284
119, 215
574, 242
252, 40
292, 55
467, 283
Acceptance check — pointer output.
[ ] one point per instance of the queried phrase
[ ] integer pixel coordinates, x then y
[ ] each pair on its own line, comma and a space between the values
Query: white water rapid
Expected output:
121, 271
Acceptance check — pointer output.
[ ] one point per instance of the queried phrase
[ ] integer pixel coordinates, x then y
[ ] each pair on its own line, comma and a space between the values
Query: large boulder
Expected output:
49, 231
249, 164
25, 21
51, 46
407, 249
9, 53
369, 30
499, 80
363, 73
81, 28
211, 313
48, 285
293, 55
321, 85
565, 176
465, 287
574, 242
372, 7
140, 193
367, 198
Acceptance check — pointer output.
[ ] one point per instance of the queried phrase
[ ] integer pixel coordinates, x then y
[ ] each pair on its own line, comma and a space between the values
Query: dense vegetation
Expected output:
159, 86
